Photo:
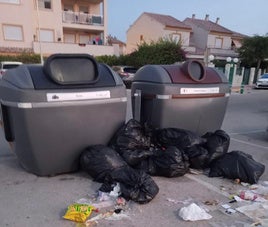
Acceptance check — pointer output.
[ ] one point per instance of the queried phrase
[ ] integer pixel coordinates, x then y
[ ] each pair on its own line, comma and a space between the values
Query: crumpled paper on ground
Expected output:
193, 213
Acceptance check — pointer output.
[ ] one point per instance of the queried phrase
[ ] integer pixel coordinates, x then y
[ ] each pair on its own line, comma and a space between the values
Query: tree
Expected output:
161, 52
254, 52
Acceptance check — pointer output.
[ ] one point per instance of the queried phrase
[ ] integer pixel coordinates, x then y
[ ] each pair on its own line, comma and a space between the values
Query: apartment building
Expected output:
54, 26
151, 27
213, 39
200, 38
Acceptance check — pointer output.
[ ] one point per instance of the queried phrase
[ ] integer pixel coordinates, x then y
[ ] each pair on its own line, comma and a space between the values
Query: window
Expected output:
218, 43
69, 38
141, 37
10, 1
44, 4
68, 8
46, 35
83, 9
176, 38
83, 38
13, 32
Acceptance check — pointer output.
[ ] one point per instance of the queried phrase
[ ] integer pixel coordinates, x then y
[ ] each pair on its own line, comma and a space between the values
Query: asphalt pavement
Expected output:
29, 200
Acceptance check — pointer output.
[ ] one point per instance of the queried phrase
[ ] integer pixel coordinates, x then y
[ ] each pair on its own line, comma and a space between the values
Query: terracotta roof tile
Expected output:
168, 20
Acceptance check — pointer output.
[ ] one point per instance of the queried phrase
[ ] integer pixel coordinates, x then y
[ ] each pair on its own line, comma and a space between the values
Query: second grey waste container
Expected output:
52, 112
188, 96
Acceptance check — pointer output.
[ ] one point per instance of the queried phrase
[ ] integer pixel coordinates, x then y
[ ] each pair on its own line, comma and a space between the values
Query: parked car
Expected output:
127, 73
262, 82
5, 65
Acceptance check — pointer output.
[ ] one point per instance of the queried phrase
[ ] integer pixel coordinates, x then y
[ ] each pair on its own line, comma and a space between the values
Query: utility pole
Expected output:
39, 34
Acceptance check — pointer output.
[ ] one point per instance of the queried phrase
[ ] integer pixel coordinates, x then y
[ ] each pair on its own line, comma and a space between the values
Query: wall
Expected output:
151, 30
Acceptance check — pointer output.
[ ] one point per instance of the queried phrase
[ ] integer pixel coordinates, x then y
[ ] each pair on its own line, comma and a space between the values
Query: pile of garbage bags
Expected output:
136, 152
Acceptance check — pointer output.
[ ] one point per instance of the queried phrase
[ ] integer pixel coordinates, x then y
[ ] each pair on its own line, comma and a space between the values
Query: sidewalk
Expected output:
28, 200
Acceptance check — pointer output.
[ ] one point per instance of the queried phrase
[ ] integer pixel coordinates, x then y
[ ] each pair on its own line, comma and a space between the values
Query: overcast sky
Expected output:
248, 17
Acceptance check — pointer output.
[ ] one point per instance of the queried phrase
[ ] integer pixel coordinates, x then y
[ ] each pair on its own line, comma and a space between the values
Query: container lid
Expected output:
190, 72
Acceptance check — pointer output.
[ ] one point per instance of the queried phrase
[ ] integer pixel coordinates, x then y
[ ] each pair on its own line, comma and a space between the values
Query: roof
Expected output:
167, 20
114, 40
238, 35
207, 25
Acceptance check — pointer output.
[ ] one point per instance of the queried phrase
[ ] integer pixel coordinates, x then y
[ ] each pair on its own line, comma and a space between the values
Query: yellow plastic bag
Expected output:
78, 212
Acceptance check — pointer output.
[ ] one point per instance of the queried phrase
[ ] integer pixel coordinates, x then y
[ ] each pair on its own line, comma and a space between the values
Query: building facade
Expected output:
54, 26
200, 38
151, 27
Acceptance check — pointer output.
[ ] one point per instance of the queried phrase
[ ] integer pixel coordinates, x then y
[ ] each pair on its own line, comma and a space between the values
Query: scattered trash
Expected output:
248, 195
230, 211
226, 206
137, 152
237, 181
193, 213
256, 211
110, 215
79, 212
211, 202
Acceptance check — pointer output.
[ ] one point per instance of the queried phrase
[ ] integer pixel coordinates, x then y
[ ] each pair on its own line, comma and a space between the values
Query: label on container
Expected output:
71, 96
208, 90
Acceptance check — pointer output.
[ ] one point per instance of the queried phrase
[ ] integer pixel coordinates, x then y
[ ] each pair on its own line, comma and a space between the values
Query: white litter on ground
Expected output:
193, 213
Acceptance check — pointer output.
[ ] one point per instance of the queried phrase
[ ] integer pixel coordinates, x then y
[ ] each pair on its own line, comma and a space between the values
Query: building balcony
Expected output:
228, 52
48, 48
70, 17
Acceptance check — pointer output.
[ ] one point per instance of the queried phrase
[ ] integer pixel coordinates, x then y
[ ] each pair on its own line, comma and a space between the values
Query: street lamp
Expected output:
210, 59
230, 66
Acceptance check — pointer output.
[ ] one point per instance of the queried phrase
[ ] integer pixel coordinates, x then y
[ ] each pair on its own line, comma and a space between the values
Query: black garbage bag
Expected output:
134, 184
198, 156
171, 162
217, 144
100, 160
135, 157
130, 136
237, 164
180, 138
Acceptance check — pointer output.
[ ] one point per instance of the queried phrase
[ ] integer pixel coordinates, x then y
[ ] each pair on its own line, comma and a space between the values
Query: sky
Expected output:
249, 17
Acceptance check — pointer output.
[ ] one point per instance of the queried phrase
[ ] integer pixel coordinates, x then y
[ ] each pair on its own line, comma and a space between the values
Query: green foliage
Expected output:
24, 58
161, 52
254, 50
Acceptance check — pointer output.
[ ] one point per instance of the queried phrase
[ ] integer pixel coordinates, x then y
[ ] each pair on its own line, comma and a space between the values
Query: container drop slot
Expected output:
71, 69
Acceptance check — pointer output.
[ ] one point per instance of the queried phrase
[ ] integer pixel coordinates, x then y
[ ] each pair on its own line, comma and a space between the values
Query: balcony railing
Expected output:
81, 18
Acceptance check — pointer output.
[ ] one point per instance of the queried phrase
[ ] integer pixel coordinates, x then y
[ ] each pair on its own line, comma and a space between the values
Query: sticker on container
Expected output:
208, 90
55, 97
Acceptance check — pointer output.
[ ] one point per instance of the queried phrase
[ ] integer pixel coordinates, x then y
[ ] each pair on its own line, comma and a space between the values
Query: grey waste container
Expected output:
52, 112
188, 96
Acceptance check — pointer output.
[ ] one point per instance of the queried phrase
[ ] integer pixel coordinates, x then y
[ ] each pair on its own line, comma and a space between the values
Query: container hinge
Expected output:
137, 111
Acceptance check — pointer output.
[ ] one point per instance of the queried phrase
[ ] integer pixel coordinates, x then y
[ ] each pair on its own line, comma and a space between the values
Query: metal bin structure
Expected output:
51, 112
188, 96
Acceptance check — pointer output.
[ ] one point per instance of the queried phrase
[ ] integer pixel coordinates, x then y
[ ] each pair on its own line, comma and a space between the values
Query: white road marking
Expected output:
206, 184
251, 144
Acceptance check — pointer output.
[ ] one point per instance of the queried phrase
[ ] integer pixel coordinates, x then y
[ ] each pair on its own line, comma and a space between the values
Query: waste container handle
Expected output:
6, 124
137, 103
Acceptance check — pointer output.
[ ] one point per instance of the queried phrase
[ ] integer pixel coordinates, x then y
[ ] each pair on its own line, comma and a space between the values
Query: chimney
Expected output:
217, 20
193, 16
207, 17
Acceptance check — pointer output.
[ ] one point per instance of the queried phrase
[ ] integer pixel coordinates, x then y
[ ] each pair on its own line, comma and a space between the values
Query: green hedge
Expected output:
24, 58
160, 52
